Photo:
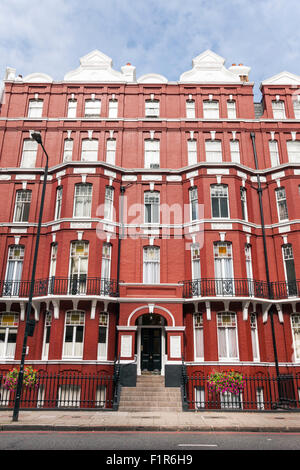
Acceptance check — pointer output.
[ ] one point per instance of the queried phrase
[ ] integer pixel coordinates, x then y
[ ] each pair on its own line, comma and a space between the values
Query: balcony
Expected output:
61, 286
240, 288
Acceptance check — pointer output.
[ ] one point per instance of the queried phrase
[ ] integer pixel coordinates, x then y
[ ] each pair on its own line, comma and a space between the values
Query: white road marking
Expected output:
198, 445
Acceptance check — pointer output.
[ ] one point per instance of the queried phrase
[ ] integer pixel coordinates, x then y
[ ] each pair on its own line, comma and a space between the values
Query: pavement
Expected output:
208, 421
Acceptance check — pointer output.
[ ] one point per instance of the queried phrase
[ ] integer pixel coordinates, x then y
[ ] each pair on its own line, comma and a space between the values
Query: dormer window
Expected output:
278, 109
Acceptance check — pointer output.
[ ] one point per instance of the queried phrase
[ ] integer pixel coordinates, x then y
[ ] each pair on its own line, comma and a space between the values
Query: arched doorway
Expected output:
151, 344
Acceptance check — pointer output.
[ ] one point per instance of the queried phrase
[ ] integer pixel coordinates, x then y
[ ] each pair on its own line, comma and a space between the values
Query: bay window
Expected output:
22, 205
82, 200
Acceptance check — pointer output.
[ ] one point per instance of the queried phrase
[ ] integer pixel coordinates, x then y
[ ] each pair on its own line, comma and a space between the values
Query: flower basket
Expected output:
227, 381
30, 378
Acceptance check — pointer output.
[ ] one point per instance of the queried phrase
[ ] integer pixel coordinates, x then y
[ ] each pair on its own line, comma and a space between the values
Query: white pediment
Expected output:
96, 67
152, 78
283, 78
38, 78
208, 67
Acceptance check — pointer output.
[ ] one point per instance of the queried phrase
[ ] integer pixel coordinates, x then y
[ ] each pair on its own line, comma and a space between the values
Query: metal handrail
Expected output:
233, 287
56, 285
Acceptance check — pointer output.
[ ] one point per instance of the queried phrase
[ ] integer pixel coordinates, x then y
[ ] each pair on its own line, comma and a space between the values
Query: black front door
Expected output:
151, 349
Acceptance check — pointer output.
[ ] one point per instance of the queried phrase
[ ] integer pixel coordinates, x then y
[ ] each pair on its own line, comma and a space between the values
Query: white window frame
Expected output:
22, 205
8, 321
152, 153
69, 396
103, 323
152, 108
72, 108
193, 197
281, 202
152, 199
111, 146
195, 261
274, 153
154, 276
288, 254
83, 198
92, 108
232, 324
213, 151
243, 194
223, 264
296, 107
113, 108
254, 337
35, 108
70, 321
192, 152
79, 258
14, 275
235, 151
219, 191
58, 202
89, 150
231, 109
106, 261
68, 150
46, 336
29, 153
190, 109
293, 150
109, 203
198, 326
295, 327
211, 109
278, 108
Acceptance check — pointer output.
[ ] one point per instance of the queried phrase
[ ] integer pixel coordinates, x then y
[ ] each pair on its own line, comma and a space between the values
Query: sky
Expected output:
156, 36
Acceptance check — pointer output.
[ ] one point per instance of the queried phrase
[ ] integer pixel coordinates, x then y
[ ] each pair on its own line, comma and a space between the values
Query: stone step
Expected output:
149, 408
157, 393
170, 398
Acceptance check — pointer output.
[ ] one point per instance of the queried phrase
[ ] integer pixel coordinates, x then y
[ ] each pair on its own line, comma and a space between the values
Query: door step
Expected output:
150, 394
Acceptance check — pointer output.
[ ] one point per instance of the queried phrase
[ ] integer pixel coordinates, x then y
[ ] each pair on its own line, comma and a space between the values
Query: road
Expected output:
145, 441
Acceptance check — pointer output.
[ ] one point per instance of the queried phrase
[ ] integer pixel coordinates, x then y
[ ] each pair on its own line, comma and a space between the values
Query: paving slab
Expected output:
208, 421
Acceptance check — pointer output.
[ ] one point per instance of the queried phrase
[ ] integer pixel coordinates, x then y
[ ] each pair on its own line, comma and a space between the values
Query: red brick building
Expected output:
154, 245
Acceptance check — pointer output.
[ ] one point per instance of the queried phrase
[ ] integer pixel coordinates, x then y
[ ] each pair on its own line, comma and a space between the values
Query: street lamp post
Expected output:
28, 326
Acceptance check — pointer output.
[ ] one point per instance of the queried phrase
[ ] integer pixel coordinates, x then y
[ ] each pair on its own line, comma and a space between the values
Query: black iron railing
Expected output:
64, 391
240, 288
75, 285
261, 392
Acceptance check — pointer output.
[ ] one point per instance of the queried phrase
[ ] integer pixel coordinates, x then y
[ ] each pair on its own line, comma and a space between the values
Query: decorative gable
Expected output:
283, 78
208, 67
97, 67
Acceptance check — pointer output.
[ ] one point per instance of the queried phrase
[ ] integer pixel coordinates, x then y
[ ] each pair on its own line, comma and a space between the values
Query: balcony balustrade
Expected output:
240, 288
62, 286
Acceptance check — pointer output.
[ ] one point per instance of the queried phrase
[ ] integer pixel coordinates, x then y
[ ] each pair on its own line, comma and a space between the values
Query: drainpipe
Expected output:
270, 292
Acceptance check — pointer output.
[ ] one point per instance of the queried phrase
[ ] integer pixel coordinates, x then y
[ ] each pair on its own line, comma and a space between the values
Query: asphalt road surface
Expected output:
145, 441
